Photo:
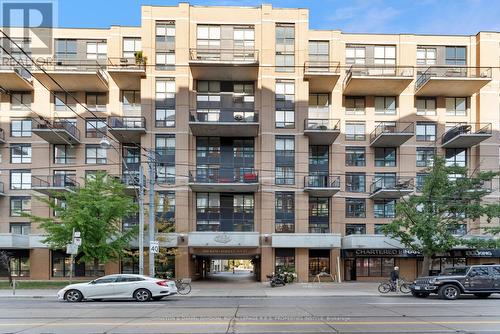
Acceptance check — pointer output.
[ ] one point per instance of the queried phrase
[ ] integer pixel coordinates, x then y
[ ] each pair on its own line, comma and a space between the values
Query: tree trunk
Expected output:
96, 267
426, 263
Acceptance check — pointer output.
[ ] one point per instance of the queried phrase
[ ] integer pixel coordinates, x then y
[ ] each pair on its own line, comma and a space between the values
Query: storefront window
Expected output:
19, 264
319, 261
284, 259
130, 265
374, 267
165, 264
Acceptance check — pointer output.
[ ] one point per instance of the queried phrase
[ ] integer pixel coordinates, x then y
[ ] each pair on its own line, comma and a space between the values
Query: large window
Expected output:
419, 181
425, 156
355, 229
97, 101
355, 54
385, 157
355, 182
97, 50
426, 131
355, 208
355, 131
65, 49
21, 100
20, 228
244, 39
426, 56
285, 47
20, 205
94, 154
384, 208
208, 37
385, 105
20, 153
64, 154
131, 100
20, 179
355, 156
319, 55
426, 106
285, 104
319, 106
284, 212
384, 55
456, 55
354, 105
165, 211
20, 128
456, 106
165, 148
456, 157
319, 213
64, 101
165, 103
374, 267
284, 259
319, 261
131, 45
285, 160
165, 34
208, 212
95, 128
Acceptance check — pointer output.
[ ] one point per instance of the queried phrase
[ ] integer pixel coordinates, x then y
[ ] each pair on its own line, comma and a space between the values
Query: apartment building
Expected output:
272, 142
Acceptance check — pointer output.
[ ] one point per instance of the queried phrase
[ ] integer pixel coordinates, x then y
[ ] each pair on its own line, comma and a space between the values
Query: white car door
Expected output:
125, 286
101, 287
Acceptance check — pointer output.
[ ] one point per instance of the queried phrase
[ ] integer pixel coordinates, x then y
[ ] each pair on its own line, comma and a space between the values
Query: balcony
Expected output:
21, 241
126, 73
306, 240
54, 184
56, 132
2, 189
224, 239
131, 181
371, 241
226, 123
322, 75
224, 64
391, 187
322, 185
15, 78
452, 81
225, 179
2, 136
377, 80
127, 129
391, 134
73, 75
321, 131
465, 135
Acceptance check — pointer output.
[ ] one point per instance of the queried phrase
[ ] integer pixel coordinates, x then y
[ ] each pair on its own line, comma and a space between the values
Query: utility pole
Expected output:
152, 213
141, 220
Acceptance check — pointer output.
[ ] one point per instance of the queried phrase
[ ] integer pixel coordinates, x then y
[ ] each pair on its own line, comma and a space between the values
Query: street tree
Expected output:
95, 210
5, 265
451, 196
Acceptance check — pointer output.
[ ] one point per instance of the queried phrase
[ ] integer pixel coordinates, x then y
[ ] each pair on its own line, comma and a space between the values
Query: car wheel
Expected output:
73, 296
482, 295
142, 295
449, 292
158, 298
420, 294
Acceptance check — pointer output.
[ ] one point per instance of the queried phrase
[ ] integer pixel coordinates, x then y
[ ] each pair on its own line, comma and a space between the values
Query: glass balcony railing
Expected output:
322, 181
129, 122
391, 182
55, 181
392, 128
322, 67
326, 124
466, 129
224, 116
241, 175
69, 126
452, 72
224, 55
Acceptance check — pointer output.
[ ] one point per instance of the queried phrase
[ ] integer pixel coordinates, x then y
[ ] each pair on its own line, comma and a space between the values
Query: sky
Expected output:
462, 17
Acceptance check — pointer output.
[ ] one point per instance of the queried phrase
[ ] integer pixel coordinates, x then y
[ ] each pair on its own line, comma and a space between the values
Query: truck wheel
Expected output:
449, 292
420, 294
482, 295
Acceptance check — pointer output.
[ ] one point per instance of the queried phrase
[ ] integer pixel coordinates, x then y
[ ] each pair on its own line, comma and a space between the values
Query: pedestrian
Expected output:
394, 277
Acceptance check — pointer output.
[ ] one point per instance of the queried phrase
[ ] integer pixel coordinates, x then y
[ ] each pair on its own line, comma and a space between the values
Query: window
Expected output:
165, 146
355, 182
426, 131
208, 37
456, 55
131, 45
97, 50
355, 54
319, 212
20, 179
284, 259
354, 105
165, 60
20, 153
285, 104
284, 212
355, 229
319, 106
244, 38
131, 100
208, 212
426, 106
379, 229
285, 160
374, 266
319, 261
20, 100
94, 154
426, 56
319, 55
66, 49
243, 204
19, 205
20, 128
456, 106
355, 208
64, 154
20, 228
384, 209
165, 33
419, 182
355, 156
165, 173
425, 156
384, 55
97, 101
285, 47
166, 203
165, 103
385, 105
95, 128
456, 157
385, 157
355, 131
64, 101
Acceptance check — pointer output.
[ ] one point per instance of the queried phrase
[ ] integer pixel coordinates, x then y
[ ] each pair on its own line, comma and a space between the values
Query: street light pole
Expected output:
152, 213
141, 220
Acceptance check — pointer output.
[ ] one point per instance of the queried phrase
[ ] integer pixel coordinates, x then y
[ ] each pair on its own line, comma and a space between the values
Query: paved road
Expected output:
370, 314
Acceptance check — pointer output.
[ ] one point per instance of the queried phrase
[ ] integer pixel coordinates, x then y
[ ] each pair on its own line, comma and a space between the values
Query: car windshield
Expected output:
455, 271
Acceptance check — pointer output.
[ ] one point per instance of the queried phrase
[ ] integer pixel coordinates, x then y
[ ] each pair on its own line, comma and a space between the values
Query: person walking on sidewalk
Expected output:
394, 277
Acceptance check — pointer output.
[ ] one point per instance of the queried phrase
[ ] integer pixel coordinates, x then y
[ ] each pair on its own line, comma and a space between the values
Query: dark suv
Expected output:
479, 280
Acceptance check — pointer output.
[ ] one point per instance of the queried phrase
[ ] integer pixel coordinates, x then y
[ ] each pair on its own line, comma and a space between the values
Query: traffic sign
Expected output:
154, 247
71, 249
77, 241
76, 234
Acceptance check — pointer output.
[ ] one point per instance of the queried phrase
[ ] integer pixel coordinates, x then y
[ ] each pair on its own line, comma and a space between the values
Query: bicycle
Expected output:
389, 286
183, 286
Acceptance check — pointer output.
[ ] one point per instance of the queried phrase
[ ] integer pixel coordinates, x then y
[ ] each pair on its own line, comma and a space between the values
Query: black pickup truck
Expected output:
478, 280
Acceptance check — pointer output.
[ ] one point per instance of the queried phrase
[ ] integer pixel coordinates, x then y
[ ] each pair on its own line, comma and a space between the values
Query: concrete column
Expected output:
302, 264
266, 262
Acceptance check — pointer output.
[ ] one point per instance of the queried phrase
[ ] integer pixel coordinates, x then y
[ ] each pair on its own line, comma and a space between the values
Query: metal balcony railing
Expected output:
123, 63
129, 122
392, 127
322, 181
224, 116
41, 123
55, 181
322, 67
452, 72
391, 182
326, 124
224, 55
76, 65
224, 175
11, 65
378, 71
466, 128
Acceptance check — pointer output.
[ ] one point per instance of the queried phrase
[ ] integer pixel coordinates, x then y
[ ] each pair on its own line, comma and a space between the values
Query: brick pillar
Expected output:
334, 259
40, 265
266, 262
183, 263
111, 268
302, 264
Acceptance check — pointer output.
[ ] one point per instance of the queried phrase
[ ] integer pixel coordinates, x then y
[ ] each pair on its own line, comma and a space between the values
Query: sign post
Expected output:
72, 249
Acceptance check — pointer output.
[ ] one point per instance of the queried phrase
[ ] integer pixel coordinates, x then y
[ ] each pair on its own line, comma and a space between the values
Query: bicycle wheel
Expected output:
405, 288
184, 288
384, 287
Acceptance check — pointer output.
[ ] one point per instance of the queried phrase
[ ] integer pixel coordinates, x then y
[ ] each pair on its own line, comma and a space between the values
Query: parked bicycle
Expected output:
183, 286
388, 286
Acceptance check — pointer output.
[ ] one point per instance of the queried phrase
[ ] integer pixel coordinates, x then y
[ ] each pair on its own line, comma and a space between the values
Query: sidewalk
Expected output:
252, 289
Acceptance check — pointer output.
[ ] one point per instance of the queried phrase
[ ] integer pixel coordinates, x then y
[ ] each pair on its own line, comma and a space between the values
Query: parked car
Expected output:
478, 280
138, 287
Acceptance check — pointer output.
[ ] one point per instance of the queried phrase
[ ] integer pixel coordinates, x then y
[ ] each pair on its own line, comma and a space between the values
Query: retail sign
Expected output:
378, 252
225, 251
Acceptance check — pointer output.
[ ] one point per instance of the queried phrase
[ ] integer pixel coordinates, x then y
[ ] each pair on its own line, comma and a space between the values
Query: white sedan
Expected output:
138, 287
